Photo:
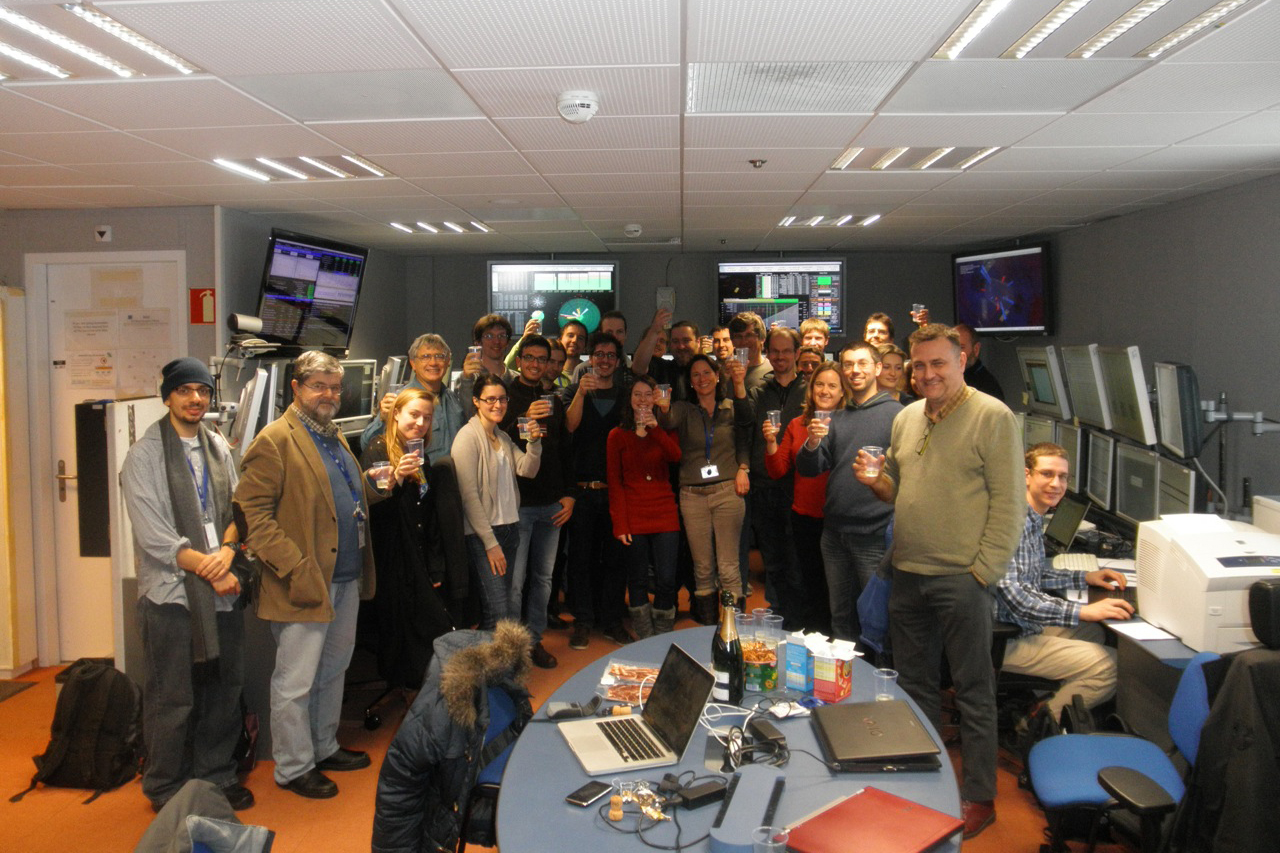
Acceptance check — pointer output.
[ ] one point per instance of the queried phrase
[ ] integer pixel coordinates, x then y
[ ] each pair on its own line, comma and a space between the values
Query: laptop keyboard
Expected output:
630, 739
1076, 561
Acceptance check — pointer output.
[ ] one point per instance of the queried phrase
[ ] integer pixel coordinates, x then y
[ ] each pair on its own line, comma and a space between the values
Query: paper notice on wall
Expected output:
146, 328
90, 330
92, 369
116, 286
138, 371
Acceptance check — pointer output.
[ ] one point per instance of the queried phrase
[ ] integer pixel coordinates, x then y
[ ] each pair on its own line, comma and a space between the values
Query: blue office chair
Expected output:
1100, 772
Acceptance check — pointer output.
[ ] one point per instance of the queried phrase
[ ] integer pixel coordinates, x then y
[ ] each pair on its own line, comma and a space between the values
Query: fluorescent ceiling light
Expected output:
813, 221
405, 228
324, 167
58, 39
978, 19
933, 158
129, 37
846, 158
427, 226
364, 164
981, 155
872, 218
1057, 16
1117, 28
887, 160
843, 219
1192, 27
243, 170
457, 228
34, 61
282, 168
787, 221
485, 228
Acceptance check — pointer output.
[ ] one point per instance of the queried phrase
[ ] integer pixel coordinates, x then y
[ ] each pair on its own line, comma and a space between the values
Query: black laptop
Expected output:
1061, 530
875, 737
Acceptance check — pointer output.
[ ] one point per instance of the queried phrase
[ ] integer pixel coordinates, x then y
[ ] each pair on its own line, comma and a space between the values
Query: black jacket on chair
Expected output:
432, 764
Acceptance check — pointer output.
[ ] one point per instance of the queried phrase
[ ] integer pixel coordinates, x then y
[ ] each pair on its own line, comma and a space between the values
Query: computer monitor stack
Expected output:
1036, 430
1072, 439
359, 380
1137, 484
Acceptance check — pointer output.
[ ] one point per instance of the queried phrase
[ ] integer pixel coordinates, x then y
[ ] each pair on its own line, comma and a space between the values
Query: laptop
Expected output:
1061, 530
875, 737
659, 735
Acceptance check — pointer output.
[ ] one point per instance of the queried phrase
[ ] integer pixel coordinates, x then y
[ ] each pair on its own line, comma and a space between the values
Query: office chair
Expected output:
1100, 772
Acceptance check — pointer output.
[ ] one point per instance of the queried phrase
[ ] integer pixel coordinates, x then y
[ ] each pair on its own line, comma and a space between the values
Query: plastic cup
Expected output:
769, 839
885, 679
474, 350
549, 399
523, 425
775, 417
664, 392
380, 473
875, 451
917, 307
823, 418
742, 355
414, 445
588, 371
643, 413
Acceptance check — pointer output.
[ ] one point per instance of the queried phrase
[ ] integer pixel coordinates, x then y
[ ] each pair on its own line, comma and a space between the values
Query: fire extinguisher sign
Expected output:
203, 306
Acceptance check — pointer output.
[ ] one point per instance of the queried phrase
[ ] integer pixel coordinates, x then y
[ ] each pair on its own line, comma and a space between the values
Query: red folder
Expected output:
872, 821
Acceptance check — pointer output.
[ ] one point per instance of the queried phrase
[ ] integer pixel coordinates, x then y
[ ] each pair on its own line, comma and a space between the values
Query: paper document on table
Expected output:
1139, 630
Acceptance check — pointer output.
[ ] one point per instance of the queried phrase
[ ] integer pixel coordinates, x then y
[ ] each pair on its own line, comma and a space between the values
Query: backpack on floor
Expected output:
96, 738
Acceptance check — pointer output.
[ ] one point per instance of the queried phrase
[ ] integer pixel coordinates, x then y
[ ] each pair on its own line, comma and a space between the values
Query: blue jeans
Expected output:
306, 685
849, 560
536, 557
661, 548
499, 594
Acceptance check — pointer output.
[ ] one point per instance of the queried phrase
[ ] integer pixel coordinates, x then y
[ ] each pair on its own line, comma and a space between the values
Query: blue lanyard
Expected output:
709, 433
355, 493
202, 488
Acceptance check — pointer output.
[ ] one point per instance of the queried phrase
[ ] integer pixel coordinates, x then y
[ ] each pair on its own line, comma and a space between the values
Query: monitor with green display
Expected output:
561, 290
784, 291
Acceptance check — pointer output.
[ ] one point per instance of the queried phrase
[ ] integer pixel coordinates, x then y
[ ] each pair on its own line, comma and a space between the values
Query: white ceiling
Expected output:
456, 101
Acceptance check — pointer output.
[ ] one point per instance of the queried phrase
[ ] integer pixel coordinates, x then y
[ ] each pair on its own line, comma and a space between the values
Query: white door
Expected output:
112, 321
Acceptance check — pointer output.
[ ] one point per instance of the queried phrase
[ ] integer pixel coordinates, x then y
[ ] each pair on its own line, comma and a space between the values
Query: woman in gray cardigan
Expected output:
488, 462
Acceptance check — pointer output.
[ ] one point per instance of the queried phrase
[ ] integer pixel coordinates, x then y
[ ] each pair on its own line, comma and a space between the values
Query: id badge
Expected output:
360, 533
710, 471
211, 536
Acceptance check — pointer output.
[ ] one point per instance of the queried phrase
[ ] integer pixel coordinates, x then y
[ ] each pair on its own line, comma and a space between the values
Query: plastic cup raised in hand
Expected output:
414, 445
742, 355
664, 392
380, 472
824, 422
549, 400
775, 417
524, 425
875, 451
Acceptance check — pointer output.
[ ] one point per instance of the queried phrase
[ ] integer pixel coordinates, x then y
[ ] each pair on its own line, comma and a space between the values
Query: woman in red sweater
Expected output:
643, 507
828, 391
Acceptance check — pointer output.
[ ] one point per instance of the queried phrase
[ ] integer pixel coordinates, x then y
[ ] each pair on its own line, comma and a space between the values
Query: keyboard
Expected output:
630, 739
1075, 561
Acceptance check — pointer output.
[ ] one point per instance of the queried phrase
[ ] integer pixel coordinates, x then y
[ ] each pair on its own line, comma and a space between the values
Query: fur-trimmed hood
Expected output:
473, 660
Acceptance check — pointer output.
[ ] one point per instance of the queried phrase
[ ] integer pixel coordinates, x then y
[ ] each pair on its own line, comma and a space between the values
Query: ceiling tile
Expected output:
371, 138
39, 176
810, 161
1210, 158
1007, 86
22, 114
586, 161
891, 131
1028, 159
488, 186
92, 147
635, 182
362, 95
862, 180
790, 87
747, 181
151, 103
454, 165
240, 143
766, 131
1194, 87
1259, 128
1252, 34
556, 134
535, 92
1127, 128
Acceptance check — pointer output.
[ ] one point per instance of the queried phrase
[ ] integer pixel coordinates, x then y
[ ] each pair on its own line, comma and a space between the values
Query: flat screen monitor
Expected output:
1036, 430
1098, 482
1004, 292
1085, 384
784, 291
1065, 523
1177, 488
252, 414
1042, 378
1127, 393
1072, 439
392, 374
1137, 496
359, 381
561, 290
1178, 408
310, 288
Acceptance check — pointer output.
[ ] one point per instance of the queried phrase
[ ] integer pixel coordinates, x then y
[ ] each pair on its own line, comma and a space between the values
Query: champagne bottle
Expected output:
726, 657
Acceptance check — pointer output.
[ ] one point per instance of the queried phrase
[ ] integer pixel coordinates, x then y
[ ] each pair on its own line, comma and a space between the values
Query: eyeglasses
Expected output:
431, 356
495, 336
321, 388
536, 359
1050, 476
605, 355
495, 401
201, 391
924, 439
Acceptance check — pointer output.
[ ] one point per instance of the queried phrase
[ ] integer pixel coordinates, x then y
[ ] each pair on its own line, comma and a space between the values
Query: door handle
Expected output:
62, 476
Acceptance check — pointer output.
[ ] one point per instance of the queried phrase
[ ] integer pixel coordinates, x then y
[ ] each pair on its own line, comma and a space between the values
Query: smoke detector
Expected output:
578, 107
633, 231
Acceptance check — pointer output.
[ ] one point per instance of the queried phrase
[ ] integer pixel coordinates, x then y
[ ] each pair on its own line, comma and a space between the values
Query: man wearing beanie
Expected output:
178, 480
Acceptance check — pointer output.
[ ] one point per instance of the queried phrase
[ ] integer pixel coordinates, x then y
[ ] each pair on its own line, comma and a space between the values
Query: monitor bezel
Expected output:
1101, 499
1048, 355
1096, 384
1125, 451
519, 317
1133, 390
766, 263
1047, 289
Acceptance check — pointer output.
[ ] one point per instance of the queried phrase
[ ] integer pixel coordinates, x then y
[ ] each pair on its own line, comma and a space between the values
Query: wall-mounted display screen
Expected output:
784, 291
1005, 292
310, 288
561, 290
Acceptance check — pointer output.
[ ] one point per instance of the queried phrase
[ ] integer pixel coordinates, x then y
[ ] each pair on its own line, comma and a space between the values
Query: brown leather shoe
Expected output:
978, 815
543, 658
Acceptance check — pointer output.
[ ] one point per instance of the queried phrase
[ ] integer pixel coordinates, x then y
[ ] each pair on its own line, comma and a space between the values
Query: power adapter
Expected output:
763, 730
704, 793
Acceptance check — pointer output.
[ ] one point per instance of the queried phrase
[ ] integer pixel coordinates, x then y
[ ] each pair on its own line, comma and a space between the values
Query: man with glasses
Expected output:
746, 331
1060, 639
305, 505
177, 482
491, 333
954, 471
546, 503
597, 577
430, 358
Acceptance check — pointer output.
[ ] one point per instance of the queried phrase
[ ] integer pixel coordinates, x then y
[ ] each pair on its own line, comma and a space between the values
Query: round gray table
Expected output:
533, 816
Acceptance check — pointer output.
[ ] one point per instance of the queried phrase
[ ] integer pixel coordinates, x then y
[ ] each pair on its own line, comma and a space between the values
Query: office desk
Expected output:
533, 816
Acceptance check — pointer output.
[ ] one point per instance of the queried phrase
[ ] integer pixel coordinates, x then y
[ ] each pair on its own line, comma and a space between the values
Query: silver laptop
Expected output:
659, 735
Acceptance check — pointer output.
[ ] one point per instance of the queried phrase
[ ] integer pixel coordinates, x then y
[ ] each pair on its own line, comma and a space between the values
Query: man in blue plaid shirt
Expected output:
1060, 639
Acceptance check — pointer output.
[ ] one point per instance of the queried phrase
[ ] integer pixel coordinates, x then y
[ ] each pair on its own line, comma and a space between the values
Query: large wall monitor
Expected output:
1137, 483
1098, 482
1042, 377
1072, 439
1005, 292
310, 288
1084, 380
561, 290
1178, 405
1036, 430
784, 291
1177, 488
1127, 393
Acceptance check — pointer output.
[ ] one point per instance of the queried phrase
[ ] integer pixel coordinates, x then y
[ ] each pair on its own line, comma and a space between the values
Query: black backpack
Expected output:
96, 739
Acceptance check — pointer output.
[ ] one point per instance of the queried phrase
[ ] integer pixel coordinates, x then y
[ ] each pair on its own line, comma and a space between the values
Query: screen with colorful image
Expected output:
784, 292
1004, 293
562, 291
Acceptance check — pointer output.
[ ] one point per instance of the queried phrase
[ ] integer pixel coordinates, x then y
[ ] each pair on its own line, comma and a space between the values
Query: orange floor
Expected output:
53, 820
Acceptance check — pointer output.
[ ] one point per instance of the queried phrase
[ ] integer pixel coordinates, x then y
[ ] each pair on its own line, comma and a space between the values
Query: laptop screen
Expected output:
1061, 530
677, 699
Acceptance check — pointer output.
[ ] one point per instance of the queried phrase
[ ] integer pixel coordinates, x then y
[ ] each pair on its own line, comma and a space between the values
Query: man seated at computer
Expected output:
1060, 639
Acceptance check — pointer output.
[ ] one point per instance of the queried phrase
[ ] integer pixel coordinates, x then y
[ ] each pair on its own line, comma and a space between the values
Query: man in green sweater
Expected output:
954, 474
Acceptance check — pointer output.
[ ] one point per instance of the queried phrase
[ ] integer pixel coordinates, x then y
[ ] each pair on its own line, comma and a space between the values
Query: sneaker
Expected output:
543, 658
978, 815
580, 636
618, 633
